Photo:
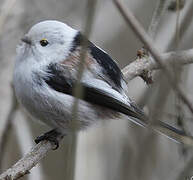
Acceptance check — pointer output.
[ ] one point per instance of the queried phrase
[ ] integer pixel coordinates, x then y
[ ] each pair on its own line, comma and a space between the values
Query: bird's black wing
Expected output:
60, 80
110, 71
109, 66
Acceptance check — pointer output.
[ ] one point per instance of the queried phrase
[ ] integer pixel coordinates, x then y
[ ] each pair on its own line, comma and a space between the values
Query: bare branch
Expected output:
152, 30
26, 163
23, 166
142, 35
137, 67
25, 140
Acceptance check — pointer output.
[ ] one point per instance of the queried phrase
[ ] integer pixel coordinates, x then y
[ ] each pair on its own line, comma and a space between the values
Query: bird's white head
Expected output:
47, 40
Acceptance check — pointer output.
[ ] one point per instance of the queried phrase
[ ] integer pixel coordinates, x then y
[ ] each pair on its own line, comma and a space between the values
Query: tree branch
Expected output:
137, 67
134, 69
26, 163
25, 140
142, 35
152, 30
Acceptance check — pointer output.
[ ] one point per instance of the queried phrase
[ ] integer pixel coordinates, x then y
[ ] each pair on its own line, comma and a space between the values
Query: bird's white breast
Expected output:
51, 107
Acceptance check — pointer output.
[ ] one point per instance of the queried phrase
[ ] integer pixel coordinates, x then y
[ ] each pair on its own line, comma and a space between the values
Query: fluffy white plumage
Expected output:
45, 73
41, 101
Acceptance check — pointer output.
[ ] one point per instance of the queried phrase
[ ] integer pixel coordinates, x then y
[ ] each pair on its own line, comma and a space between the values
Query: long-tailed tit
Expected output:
45, 74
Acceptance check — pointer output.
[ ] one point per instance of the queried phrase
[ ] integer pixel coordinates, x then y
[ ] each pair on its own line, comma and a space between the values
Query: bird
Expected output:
46, 73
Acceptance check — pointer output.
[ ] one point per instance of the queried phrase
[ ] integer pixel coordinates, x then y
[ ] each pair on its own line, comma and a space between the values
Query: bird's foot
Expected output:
51, 136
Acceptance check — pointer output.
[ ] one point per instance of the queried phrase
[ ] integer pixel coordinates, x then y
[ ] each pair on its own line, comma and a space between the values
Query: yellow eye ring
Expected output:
44, 42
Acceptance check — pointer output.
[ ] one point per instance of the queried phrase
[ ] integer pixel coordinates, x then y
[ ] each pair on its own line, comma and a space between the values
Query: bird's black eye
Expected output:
44, 42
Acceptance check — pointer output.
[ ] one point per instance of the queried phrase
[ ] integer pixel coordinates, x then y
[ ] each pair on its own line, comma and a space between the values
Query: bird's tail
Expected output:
165, 129
173, 133
158, 126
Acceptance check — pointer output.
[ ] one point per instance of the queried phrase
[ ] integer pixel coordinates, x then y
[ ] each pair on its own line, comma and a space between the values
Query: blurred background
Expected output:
111, 150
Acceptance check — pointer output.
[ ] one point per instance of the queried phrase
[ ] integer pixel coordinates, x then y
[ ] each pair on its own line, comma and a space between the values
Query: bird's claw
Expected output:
50, 136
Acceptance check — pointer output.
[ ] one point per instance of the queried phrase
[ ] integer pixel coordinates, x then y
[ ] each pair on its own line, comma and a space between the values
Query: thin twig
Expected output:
146, 74
152, 30
142, 35
39, 151
23, 166
87, 31
183, 24
156, 18
177, 33
78, 91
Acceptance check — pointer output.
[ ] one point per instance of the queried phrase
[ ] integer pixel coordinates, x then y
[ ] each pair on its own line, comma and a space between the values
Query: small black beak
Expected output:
26, 40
